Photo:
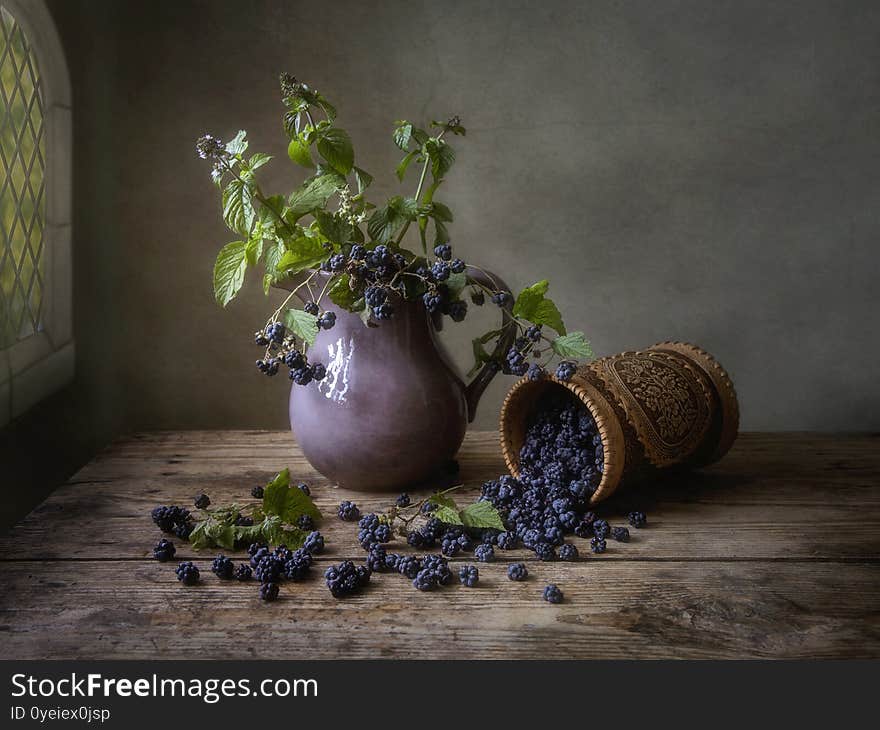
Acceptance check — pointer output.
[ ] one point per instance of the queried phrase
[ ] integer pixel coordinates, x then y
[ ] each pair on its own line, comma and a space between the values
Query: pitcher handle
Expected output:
474, 390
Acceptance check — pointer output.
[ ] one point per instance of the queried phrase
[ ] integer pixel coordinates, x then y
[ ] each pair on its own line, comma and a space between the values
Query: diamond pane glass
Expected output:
22, 195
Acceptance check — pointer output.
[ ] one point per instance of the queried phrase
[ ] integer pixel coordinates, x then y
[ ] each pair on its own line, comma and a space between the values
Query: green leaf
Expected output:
442, 156
363, 179
574, 344
229, 271
254, 251
404, 163
440, 212
302, 324
303, 253
443, 500
258, 160
238, 208
403, 134
532, 305
335, 147
481, 515
286, 501
448, 515
342, 295
335, 230
312, 194
238, 144
480, 355
299, 151
455, 283
441, 233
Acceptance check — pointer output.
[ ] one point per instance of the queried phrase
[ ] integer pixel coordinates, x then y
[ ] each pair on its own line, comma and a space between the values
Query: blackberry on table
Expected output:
298, 564
409, 565
203, 501
638, 519
621, 534
425, 580
517, 571
484, 553
258, 555
223, 567
568, 552
392, 560
243, 572
552, 594
346, 578
507, 540
601, 528
269, 569
403, 500
598, 545
164, 550
545, 552
314, 543
348, 511
187, 573
269, 591
305, 522
376, 558
168, 519
257, 492
256, 546
468, 576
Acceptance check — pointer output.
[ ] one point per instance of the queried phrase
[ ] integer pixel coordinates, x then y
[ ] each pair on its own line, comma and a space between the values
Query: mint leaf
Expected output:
447, 515
303, 253
403, 134
238, 208
574, 344
238, 144
258, 160
298, 150
286, 501
481, 515
313, 193
229, 271
335, 147
302, 324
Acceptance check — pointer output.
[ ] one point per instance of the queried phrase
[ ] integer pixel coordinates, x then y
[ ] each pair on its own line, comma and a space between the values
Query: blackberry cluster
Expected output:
372, 531
484, 553
348, 511
468, 576
409, 566
517, 571
376, 558
243, 572
298, 564
175, 520
223, 567
280, 349
314, 543
164, 550
269, 569
187, 573
346, 578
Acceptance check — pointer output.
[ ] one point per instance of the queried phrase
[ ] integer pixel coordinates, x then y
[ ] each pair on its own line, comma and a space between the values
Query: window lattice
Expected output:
22, 191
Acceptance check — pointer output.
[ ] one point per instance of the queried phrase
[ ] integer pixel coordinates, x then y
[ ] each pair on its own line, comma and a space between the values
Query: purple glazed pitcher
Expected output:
391, 411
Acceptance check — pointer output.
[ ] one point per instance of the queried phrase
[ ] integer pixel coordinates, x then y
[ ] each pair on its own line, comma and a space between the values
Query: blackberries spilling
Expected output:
517, 571
314, 543
468, 576
638, 519
598, 545
243, 572
269, 591
173, 520
187, 573
568, 552
484, 553
621, 534
223, 567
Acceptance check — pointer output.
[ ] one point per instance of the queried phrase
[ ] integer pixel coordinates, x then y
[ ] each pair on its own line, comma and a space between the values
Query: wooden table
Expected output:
773, 552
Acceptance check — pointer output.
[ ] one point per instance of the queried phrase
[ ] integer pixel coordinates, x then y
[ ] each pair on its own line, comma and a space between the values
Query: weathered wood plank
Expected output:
773, 497
137, 610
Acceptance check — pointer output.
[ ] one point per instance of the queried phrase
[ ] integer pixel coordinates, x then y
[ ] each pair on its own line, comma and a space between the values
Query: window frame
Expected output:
37, 366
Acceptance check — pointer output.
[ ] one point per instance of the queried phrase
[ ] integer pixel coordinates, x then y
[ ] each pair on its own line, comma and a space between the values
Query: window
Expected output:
36, 337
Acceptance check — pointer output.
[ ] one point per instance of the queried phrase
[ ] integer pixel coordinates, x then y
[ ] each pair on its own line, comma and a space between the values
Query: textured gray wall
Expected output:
697, 170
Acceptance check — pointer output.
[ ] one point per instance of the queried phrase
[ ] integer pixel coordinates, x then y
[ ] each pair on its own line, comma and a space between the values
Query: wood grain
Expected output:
773, 552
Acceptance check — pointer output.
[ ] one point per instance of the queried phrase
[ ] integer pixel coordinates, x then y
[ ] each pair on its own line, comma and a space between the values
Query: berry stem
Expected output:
418, 195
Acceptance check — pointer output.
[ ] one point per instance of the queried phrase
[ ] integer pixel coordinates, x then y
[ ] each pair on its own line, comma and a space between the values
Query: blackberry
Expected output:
314, 543
168, 519
536, 372
269, 569
517, 571
432, 301
443, 251
283, 553
440, 271
294, 360
465, 542
415, 538
621, 534
425, 580
223, 567
326, 321
552, 594
258, 555
301, 376
566, 370
638, 519
183, 530
311, 308
275, 332
303, 487
568, 552
269, 591
305, 522
164, 550
298, 565
601, 528
598, 545
243, 521
254, 547
382, 533
346, 578
336, 262
375, 296
450, 547
369, 522
243, 572
203, 501
545, 552
501, 298
348, 511
318, 371
409, 566
187, 573
468, 576
376, 558
484, 553
457, 266
533, 333
392, 560
507, 540
403, 501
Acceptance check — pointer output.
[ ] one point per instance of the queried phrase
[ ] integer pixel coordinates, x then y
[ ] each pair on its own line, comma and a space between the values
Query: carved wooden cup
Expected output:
669, 405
